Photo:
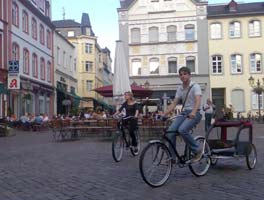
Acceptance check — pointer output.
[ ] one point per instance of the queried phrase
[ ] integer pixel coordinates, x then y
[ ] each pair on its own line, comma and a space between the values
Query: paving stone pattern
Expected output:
33, 167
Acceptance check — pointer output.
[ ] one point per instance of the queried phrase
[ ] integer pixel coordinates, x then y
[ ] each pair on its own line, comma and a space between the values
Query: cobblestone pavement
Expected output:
33, 167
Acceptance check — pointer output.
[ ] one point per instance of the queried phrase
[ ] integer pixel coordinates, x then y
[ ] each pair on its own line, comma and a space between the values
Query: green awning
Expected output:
104, 104
3, 89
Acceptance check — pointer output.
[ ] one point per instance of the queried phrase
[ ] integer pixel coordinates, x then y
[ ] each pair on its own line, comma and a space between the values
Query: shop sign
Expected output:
13, 82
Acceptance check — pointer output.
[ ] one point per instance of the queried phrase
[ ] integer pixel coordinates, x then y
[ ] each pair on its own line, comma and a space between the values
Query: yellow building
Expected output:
89, 66
235, 54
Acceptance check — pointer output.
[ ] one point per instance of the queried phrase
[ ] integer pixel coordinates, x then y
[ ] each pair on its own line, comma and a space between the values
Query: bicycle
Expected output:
122, 140
156, 160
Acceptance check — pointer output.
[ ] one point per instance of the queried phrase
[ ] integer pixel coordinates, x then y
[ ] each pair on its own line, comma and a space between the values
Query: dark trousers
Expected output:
132, 126
208, 119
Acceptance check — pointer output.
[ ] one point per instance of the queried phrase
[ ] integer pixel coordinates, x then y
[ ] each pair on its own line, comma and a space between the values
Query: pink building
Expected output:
30, 46
3, 57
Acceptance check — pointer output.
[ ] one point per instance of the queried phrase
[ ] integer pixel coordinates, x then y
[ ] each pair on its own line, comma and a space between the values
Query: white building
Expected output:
161, 37
66, 83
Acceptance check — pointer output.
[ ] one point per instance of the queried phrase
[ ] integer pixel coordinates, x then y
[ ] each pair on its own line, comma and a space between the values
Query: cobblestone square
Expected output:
33, 167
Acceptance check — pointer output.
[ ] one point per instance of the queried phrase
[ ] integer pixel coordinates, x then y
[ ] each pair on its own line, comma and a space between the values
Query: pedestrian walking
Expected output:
208, 109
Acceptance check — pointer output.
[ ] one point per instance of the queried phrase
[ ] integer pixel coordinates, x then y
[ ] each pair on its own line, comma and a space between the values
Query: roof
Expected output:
126, 3
234, 9
85, 20
67, 23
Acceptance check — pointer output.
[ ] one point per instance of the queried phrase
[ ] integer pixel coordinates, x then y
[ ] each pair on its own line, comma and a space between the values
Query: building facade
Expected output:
31, 50
65, 76
235, 53
89, 64
3, 57
161, 37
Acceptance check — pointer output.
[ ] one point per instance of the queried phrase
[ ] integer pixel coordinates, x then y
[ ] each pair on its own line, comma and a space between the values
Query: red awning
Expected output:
138, 91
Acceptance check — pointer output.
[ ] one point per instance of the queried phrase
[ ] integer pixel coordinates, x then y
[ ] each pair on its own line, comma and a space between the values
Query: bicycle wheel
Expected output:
118, 146
133, 152
201, 167
251, 156
155, 164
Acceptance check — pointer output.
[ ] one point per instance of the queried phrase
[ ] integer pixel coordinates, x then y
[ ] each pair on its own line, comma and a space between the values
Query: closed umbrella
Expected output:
121, 76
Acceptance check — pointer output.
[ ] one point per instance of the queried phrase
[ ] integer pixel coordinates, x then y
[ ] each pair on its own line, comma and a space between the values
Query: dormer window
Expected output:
232, 6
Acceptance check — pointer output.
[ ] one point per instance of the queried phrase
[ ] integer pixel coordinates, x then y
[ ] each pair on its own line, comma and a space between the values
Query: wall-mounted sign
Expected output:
13, 82
13, 67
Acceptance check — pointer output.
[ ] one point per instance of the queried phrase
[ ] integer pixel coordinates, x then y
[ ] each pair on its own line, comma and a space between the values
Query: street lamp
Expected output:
258, 89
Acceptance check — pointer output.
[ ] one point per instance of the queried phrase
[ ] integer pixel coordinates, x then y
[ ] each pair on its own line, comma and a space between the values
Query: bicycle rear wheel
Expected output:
155, 164
251, 156
201, 167
118, 146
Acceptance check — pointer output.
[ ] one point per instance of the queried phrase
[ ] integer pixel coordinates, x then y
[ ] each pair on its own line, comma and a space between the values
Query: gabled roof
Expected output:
67, 23
239, 9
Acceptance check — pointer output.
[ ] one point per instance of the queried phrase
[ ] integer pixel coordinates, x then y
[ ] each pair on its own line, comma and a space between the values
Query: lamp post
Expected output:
258, 89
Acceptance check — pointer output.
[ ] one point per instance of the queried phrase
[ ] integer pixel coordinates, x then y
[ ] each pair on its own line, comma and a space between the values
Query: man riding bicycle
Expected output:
190, 94
131, 109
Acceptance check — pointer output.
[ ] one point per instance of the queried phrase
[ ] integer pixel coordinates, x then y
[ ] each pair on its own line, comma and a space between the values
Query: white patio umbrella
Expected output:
121, 76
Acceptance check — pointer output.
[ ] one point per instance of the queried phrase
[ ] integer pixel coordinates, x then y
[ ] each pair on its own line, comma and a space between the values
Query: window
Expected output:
236, 64
255, 62
35, 65
75, 65
48, 39
25, 61
1, 50
15, 51
135, 35
34, 29
136, 67
172, 65
89, 85
254, 28
49, 71
154, 66
189, 32
237, 99
58, 55
88, 66
234, 29
42, 69
41, 34
216, 31
171, 33
70, 63
64, 59
217, 64
190, 63
15, 14
88, 48
255, 100
25, 21
153, 34
71, 34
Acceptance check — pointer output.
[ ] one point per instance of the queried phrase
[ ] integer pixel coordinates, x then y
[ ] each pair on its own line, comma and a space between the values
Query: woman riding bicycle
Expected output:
131, 109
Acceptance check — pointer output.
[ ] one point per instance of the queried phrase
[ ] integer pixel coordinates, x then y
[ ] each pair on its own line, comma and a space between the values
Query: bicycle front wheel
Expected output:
201, 167
155, 164
118, 147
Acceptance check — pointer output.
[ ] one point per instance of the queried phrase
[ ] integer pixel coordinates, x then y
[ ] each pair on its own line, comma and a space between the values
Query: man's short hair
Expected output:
185, 69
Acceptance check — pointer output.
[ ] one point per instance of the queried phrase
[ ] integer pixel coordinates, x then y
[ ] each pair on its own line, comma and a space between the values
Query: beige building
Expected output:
236, 53
89, 64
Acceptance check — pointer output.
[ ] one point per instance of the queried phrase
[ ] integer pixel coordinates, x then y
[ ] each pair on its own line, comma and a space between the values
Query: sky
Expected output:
103, 17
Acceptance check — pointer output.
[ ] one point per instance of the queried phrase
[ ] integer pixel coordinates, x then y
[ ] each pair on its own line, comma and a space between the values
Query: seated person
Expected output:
38, 119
